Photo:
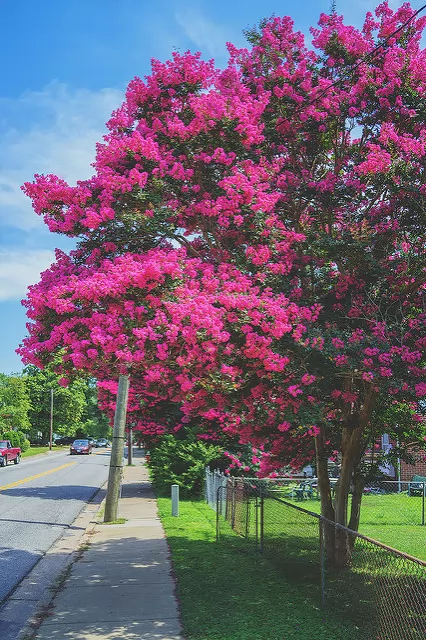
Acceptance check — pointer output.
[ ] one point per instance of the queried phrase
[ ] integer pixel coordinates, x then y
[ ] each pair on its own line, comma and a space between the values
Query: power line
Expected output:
365, 58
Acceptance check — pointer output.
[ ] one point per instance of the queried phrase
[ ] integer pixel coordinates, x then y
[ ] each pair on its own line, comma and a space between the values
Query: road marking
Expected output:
38, 475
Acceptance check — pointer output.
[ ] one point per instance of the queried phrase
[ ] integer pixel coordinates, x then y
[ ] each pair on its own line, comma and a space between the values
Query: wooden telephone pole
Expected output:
117, 451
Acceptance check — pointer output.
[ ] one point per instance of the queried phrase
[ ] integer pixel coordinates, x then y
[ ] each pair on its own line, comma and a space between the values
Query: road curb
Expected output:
34, 594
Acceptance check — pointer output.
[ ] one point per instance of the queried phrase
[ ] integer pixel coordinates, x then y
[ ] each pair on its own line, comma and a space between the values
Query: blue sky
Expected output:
65, 66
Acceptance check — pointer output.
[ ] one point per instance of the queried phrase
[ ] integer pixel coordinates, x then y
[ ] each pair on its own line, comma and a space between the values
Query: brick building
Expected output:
419, 468
406, 471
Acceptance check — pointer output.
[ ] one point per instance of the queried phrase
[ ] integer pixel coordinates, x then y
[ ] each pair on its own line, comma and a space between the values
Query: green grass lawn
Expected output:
228, 591
393, 519
379, 585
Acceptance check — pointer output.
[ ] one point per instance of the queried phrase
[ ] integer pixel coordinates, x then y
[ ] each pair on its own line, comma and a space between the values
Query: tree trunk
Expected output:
351, 440
324, 489
351, 455
359, 484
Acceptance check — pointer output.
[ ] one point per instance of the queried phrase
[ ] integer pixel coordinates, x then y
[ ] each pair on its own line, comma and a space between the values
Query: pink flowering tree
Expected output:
181, 327
299, 175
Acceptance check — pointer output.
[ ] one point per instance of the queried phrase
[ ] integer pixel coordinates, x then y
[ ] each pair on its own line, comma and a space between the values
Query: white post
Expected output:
51, 420
130, 447
175, 500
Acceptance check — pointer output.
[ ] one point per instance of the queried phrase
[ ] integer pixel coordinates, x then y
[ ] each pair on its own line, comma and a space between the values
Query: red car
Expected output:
9, 453
80, 446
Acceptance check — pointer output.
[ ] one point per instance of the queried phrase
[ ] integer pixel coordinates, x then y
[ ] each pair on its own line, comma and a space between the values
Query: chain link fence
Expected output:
381, 590
387, 502
394, 502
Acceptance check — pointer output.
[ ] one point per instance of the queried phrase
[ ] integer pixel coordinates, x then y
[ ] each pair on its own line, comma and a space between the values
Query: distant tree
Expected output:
183, 462
68, 403
15, 403
93, 421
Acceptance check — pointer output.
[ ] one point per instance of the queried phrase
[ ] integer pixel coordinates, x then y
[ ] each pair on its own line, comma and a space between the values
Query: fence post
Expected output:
423, 503
262, 518
217, 513
322, 560
215, 486
206, 485
233, 504
256, 510
248, 499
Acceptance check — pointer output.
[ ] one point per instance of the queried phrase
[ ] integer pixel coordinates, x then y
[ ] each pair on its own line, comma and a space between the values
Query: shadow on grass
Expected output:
348, 597
382, 594
229, 591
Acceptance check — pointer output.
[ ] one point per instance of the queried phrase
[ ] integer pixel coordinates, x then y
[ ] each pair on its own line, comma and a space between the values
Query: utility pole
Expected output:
117, 450
51, 420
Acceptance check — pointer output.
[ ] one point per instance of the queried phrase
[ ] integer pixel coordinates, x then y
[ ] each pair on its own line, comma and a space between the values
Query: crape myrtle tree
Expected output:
153, 417
293, 178
189, 333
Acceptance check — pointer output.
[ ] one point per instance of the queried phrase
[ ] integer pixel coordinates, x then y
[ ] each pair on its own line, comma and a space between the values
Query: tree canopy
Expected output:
251, 245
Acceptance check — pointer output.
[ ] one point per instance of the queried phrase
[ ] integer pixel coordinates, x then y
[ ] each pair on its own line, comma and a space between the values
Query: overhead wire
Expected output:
368, 56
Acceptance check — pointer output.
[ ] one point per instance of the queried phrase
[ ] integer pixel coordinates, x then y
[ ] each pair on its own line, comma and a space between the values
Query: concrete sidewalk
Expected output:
121, 588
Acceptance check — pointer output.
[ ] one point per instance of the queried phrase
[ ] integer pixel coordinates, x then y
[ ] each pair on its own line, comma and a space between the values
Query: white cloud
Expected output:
394, 4
53, 131
18, 269
209, 37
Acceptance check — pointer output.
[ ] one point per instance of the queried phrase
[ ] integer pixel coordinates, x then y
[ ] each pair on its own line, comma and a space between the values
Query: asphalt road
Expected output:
39, 500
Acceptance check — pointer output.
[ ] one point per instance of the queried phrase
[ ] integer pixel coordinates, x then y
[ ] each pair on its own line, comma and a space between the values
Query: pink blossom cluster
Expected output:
251, 245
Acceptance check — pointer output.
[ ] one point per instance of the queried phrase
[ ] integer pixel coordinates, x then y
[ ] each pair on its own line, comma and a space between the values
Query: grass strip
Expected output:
33, 451
228, 591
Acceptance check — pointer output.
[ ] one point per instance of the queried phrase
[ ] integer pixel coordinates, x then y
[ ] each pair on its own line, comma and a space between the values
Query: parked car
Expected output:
80, 446
9, 453
102, 442
65, 440
92, 441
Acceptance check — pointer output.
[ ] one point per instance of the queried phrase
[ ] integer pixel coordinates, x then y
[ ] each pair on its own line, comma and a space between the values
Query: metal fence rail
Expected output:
382, 590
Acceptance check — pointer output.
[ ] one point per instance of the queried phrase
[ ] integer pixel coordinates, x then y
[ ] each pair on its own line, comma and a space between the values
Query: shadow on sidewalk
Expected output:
121, 589
141, 489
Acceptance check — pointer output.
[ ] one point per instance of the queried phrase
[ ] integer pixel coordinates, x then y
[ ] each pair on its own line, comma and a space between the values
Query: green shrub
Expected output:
17, 439
181, 462
25, 444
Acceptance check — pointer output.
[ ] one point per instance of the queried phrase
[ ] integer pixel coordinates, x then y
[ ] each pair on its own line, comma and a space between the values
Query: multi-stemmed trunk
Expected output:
357, 493
338, 542
351, 455
324, 489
